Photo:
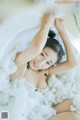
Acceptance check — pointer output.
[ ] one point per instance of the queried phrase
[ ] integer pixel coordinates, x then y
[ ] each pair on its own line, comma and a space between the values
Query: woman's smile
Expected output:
35, 65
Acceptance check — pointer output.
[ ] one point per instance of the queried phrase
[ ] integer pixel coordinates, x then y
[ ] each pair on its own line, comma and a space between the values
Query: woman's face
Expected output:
44, 60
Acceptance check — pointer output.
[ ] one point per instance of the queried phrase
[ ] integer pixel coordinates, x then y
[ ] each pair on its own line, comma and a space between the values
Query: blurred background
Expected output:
14, 14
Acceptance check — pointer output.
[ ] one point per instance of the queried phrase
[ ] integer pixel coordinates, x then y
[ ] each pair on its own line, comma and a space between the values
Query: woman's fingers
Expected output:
59, 23
48, 18
59, 19
62, 21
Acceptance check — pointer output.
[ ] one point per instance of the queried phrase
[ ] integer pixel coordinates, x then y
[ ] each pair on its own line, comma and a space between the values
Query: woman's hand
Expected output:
59, 23
48, 19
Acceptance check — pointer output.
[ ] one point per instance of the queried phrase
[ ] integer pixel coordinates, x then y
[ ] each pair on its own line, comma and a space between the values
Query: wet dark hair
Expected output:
54, 45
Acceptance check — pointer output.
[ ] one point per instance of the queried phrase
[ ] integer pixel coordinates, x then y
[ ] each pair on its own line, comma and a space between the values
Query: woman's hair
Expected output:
54, 45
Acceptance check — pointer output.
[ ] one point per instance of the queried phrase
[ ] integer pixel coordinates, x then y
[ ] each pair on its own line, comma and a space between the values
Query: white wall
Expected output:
17, 17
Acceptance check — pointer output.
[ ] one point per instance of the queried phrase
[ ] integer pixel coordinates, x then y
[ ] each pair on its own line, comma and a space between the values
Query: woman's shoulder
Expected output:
19, 60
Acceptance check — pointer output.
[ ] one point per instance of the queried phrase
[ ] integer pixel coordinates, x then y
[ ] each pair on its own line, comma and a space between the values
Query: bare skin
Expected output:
63, 111
41, 61
66, 116
63, 106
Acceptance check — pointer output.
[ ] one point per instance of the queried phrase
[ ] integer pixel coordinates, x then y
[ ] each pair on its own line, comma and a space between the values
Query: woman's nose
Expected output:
41, 63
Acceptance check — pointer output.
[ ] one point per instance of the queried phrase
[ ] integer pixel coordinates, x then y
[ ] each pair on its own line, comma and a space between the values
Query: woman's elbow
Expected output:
74, 64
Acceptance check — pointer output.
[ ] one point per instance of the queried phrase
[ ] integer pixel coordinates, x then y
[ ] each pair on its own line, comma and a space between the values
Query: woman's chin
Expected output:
35, 69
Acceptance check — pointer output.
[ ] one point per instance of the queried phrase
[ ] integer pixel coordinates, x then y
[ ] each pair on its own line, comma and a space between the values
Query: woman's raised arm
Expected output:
72, 59
38, 42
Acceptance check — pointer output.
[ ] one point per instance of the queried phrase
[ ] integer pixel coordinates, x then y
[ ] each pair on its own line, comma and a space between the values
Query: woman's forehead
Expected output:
50, 54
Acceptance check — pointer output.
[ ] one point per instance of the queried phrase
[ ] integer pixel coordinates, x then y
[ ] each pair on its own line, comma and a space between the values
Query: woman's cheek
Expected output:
47, 66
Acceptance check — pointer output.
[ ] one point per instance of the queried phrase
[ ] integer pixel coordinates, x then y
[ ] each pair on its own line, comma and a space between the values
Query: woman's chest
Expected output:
35, 78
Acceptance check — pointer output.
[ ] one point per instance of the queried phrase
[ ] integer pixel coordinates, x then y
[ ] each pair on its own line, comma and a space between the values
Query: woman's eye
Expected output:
42, 54
48, 63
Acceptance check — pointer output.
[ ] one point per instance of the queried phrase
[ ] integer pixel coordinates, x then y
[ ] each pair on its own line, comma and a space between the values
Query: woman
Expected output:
36, 63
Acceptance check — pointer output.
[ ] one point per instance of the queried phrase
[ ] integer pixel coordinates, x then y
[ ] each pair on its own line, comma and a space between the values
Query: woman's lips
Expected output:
35, 65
